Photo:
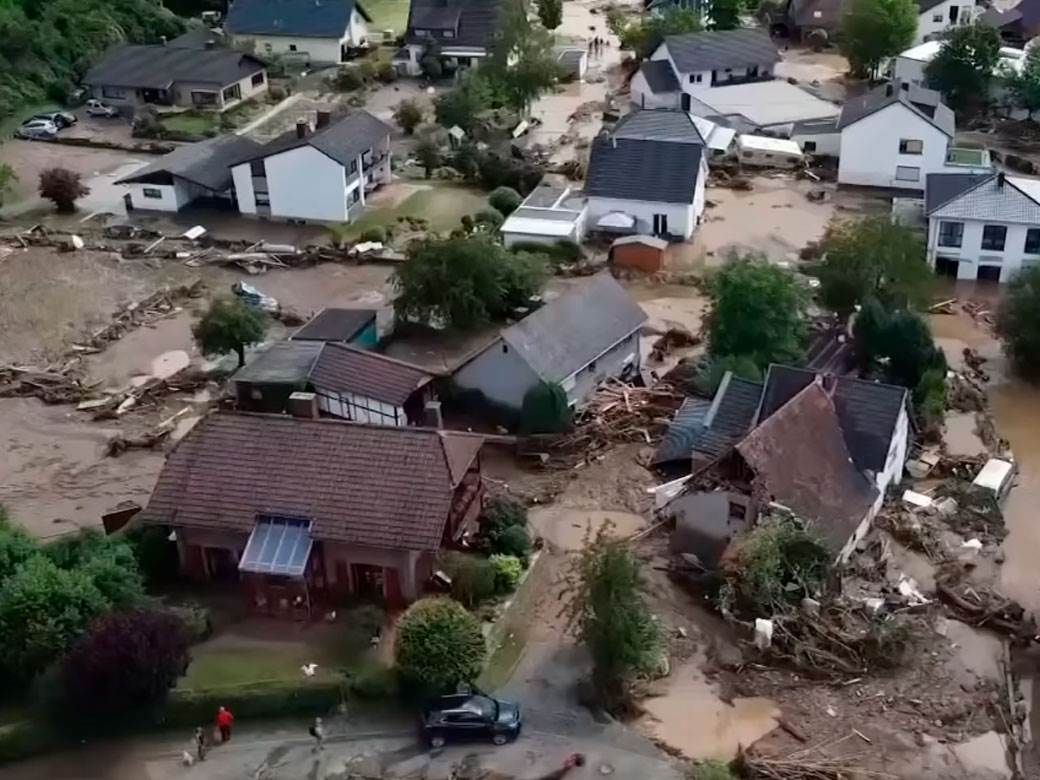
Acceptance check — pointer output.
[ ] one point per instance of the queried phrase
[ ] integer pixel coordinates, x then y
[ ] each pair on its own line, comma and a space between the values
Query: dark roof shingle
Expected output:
659, 76
343, 140
475, 21
372, 485
284, 362
346, 369
926, 103
658, 124
333, 324
571, 331
305, 18
800, 460
941, 188
712, 49
158, 67
206, 163
637, 169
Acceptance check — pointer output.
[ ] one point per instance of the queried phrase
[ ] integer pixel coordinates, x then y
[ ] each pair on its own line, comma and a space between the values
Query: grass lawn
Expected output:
200, 123
442, 205
386, 15
13, 122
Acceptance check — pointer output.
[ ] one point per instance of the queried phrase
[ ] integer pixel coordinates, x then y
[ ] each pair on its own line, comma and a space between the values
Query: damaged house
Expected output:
826, 447
305, 514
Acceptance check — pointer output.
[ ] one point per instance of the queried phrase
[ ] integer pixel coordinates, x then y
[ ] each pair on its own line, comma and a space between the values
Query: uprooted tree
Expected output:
609, 609
63, 187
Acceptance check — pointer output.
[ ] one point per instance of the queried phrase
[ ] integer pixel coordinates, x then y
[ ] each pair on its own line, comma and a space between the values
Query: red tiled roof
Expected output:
346, 369
800, 460
373, 485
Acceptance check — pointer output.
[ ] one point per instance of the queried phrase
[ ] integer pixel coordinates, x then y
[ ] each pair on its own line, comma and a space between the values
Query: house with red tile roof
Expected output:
306, 513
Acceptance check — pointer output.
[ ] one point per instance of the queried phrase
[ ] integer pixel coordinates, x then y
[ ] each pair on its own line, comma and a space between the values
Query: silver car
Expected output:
37, 128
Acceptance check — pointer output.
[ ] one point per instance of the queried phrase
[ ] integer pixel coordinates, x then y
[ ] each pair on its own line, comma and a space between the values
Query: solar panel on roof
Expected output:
278, 545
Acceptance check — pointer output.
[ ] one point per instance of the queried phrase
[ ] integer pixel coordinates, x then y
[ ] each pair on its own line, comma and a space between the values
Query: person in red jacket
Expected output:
224, 721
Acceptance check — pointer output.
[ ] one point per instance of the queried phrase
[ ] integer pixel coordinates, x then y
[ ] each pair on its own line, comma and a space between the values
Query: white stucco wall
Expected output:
305, 184
357, 32
641, 95
909, 70
869, 153
681, 217
927, 26
896, 460
319, 50
499, 374
173, 196
243, 182
971, 255
613, 362
827, 144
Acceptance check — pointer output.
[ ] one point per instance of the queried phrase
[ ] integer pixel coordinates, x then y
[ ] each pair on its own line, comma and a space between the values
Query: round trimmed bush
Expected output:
505, 200
493, 219
439, 645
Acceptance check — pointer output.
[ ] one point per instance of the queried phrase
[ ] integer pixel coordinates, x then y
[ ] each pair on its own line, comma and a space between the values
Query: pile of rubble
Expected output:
52, 385
159, 305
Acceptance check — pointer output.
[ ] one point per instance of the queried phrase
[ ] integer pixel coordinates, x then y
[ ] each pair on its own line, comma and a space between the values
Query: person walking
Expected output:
318, 732
200, 743
224, 722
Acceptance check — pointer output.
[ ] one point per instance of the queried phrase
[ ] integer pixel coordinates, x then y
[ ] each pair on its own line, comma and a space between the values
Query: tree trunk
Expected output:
240, 350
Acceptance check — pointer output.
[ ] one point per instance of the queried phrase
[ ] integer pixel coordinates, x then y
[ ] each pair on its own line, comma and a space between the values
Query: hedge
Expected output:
188, 708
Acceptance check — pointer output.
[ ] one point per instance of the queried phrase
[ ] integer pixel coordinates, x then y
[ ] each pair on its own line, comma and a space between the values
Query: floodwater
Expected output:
54, 474
960, 436
567, 528
691, 718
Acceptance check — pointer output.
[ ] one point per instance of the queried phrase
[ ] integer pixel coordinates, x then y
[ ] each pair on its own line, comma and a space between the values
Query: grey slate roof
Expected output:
571, 331
477, 21
284, 363
205, 163
342, 140
304, 18
706, 430
713, 49
1017, 200
198, 38
941, 188
332, 324
658, 124
926, 103
654, 171
659, 76
927, 5
158, 67
867, 411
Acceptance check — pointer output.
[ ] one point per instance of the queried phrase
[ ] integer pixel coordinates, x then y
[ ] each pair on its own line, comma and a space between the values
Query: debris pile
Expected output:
980, 606
620, 412
806, 764
673, 338
151, 393
52, 385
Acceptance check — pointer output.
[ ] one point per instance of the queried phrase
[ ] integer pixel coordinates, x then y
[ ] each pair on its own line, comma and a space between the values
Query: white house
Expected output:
188, 173
322, 175
553, 212
460, 32
587, 334
314, 31
894, 137
648, 176
935, 17
984, 227
701, 61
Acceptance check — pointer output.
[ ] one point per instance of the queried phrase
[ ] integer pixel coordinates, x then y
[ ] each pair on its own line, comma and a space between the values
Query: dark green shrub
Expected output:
508, 571
439, 645
187, 708
196, 620
505, 200
514, 541
347, 79
472, 577
568, 251
488, 217
545, 409
374, 683
156, 555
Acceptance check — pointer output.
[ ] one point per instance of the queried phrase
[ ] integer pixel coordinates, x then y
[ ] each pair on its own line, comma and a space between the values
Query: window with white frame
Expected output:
951, 234
907, 173
152, 192
911, 146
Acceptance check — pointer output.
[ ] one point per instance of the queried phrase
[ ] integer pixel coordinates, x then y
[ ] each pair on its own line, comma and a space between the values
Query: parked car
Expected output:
97, 108
61, 119
470, 716
37, 128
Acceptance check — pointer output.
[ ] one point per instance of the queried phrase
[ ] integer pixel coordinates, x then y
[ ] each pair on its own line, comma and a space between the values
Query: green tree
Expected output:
408, 115
545, 409
429, 154
63, 187
229, 326
1018, 323
464, 282
965, 65
464, 103
725, 14
1024, 84
648, 32
7, 181
505, 200
709, 375
758, 311
550, 13
522, 65
43, 610
873, 257
16, 546
608, 603
439, 645
873, 30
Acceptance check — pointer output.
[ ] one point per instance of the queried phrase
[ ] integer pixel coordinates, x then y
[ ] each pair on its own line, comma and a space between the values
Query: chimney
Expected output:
301, 128
828, 382
304, 405
324, 117
1000, 180
613, 142
888, 89
432, 417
